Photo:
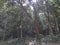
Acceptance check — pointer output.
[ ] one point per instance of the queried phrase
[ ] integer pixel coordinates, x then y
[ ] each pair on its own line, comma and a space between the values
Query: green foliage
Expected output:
12, 14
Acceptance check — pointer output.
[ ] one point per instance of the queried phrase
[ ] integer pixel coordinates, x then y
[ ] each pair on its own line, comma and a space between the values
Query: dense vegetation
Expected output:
29, 18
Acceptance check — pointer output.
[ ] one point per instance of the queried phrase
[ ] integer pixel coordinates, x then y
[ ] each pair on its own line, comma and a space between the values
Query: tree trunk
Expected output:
21, 27
49, 25
56, 23
36, 29
36, 24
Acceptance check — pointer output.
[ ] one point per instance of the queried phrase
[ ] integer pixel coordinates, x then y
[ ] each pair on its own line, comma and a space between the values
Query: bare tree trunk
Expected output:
36, 29
36, 23
49, 25
21, 31
5, 28
4, 31
56, 23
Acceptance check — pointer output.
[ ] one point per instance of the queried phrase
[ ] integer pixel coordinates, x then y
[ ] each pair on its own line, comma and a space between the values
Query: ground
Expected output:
26, 42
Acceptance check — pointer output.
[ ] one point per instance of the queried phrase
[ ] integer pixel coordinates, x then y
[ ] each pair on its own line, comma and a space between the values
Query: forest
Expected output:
25, 21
